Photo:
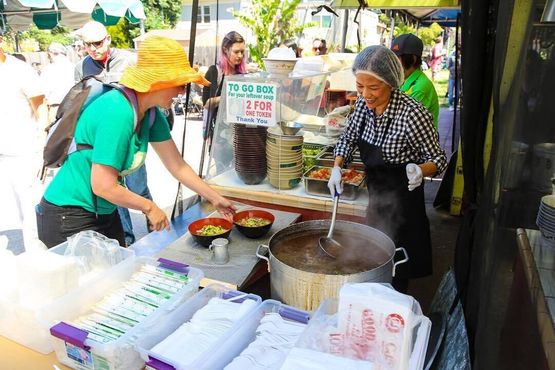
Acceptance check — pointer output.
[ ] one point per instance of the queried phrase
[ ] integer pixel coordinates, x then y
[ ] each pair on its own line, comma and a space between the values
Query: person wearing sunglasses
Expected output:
319, 47
102, 60
107, 64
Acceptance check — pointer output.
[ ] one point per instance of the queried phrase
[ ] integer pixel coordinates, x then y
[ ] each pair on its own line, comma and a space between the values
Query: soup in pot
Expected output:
301, 251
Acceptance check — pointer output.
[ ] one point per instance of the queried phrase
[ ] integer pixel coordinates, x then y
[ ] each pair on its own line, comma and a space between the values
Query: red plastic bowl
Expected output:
204, 240
253, 232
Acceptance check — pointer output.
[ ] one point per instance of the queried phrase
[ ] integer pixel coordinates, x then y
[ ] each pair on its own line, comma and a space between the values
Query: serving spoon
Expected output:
330, 246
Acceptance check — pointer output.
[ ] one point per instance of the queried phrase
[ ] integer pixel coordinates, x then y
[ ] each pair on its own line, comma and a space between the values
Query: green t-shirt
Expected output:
106, 125
419, 87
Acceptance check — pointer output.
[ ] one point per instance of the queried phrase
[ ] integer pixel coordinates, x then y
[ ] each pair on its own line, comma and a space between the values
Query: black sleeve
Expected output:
210, 91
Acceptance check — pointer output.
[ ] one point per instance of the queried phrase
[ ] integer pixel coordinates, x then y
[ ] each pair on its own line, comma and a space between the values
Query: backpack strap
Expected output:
132, 98
151, 117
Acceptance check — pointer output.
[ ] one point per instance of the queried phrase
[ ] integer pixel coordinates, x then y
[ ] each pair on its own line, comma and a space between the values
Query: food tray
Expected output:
311, 160
326, 159
320, 187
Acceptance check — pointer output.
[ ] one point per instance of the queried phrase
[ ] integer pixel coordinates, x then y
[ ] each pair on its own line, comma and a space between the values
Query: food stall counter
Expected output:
243, 266
228, 184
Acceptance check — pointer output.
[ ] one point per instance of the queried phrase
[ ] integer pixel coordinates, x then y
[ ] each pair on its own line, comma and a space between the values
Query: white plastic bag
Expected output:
371, 322
8, 273
93, 251
336, 121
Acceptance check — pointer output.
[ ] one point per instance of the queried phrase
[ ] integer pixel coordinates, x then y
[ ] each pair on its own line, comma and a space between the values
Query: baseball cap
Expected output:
93, 31
407, 44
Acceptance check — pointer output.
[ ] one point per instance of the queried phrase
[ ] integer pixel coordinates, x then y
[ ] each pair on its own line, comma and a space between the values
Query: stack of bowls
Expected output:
249, 147
285, 158
546, 218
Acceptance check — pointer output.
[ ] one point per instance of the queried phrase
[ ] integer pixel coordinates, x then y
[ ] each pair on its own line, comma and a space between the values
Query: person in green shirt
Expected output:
88, 188
417, 85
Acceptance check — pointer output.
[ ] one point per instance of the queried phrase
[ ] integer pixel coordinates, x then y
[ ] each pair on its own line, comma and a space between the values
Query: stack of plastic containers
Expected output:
230, 343
91, 331
39, 278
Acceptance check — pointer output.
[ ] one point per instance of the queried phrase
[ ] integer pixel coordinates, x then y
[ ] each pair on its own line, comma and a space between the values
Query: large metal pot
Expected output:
305, 289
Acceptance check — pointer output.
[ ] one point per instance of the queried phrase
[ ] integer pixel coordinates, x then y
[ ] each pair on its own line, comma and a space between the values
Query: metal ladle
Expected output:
330, 246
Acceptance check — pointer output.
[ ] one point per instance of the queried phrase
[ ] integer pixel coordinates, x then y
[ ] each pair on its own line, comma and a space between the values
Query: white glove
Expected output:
334, 183
414, 174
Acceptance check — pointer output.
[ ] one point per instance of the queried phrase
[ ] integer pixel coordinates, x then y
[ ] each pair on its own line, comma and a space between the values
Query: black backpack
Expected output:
60, 141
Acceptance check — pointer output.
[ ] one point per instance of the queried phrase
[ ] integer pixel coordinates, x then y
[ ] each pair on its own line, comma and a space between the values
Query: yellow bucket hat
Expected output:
161, 63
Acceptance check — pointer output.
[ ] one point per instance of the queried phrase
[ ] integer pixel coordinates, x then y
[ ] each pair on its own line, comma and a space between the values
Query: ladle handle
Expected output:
401, 261
334, 214
261, 256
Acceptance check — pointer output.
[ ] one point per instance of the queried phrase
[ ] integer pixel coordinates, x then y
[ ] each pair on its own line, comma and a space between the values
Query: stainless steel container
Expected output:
327, 159
306, 290
320, 186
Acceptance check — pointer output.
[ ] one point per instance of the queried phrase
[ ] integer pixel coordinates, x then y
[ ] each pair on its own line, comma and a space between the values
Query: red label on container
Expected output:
394, 323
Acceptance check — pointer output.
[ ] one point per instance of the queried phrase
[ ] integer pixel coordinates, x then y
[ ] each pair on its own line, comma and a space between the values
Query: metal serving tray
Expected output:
326, 159
312, 160
320, 187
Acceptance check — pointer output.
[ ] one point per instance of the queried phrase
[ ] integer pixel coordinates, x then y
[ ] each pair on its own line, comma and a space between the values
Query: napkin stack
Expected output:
205, 328
275, 336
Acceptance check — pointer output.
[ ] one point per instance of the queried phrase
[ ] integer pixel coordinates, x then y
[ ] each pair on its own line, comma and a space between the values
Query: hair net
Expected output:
380, 62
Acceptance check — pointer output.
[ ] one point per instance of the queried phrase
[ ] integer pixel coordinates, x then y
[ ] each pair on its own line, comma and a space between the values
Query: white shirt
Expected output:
18, 128
57, 79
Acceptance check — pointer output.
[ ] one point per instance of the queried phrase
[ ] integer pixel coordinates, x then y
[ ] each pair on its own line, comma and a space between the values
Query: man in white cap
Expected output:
108, 64
103, 61
20, 98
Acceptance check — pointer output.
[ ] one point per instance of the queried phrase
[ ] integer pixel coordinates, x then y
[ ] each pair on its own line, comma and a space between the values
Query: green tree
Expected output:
429, 34
272, 22
426, 34
46, 37
160, 14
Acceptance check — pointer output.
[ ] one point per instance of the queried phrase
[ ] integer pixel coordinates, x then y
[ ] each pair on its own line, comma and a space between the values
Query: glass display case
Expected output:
268, 130
260, 127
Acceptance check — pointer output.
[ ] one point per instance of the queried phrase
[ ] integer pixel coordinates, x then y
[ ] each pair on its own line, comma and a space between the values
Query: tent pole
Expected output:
456, 87
142, 26
178, 203
391, 36
344, 31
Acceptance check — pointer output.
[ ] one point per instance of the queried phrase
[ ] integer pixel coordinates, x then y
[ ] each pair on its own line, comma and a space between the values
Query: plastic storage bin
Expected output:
271, 306
232, 342
71, 344
325, 315
20, 322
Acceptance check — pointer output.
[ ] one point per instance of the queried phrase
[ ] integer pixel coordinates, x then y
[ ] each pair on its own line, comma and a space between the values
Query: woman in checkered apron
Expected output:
399, 146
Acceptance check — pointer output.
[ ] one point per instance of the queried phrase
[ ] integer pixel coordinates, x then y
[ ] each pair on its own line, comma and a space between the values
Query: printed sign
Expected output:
251, 103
